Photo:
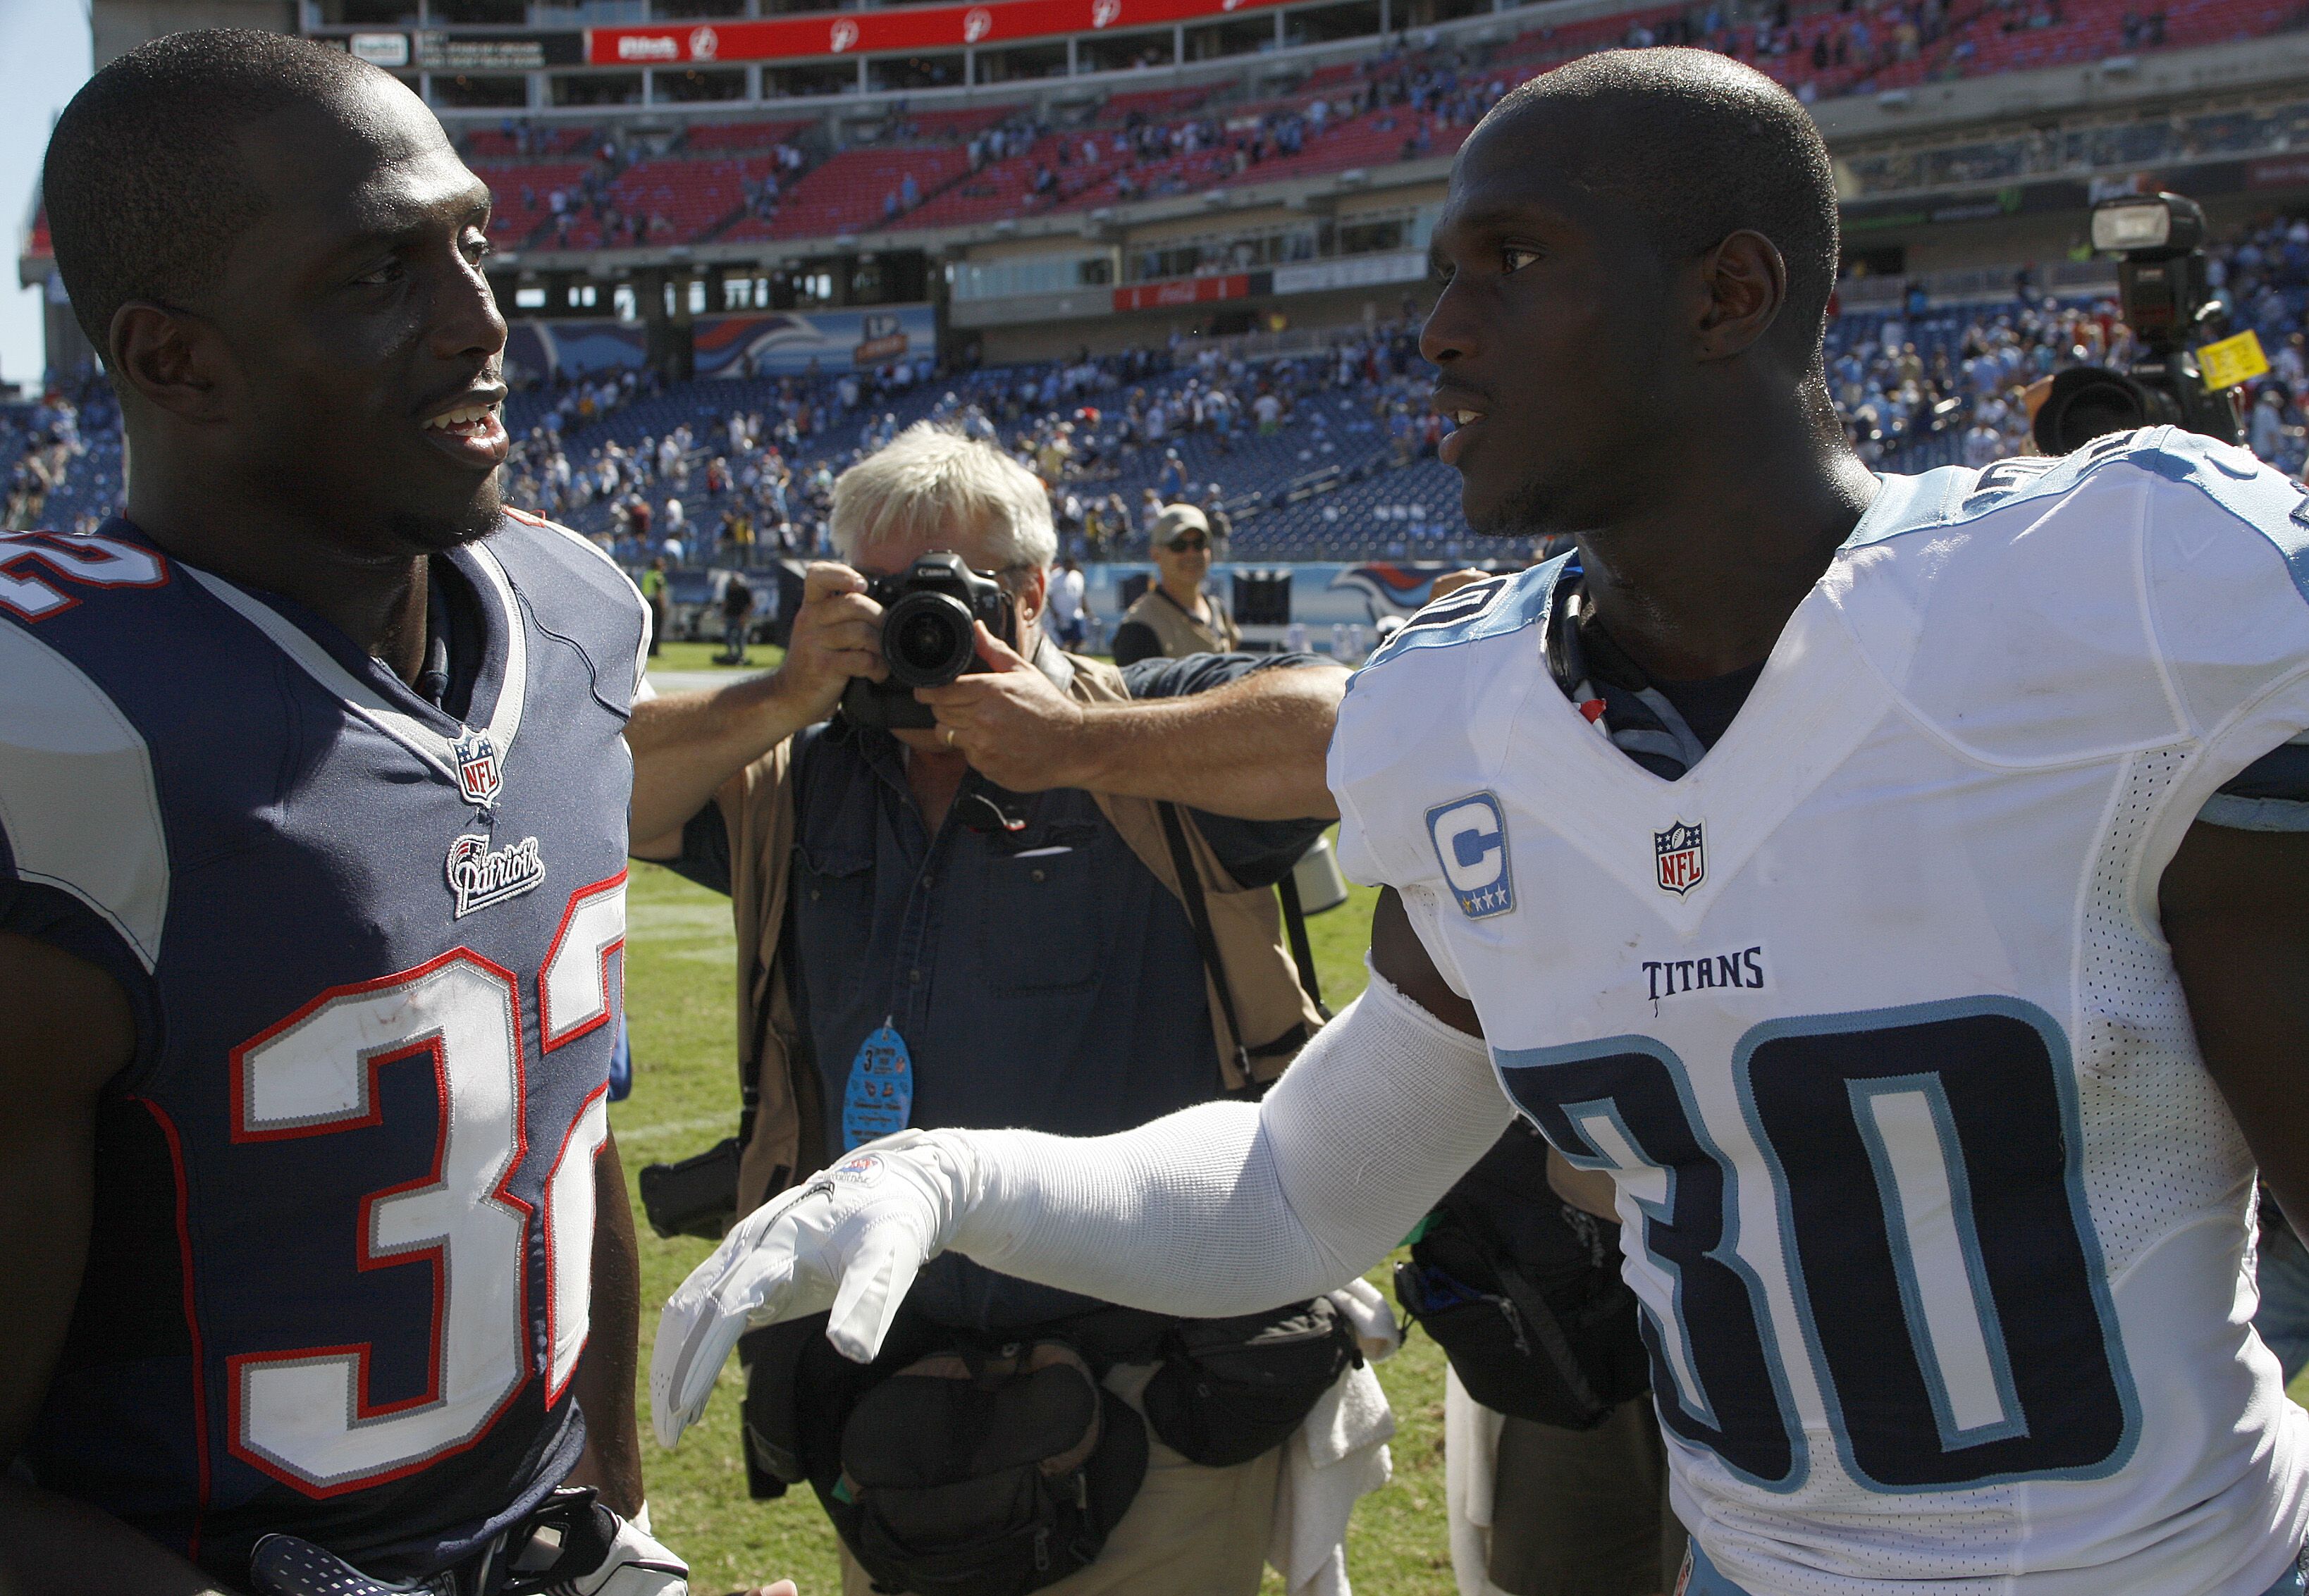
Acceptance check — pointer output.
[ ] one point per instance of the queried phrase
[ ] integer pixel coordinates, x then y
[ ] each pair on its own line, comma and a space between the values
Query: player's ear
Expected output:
1743, 283
170, 356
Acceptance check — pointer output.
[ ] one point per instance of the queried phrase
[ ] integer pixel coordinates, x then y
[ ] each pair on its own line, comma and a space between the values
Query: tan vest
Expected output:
757, 805
1178, 633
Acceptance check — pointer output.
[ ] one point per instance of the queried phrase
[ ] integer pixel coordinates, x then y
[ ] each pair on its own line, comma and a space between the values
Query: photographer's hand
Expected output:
837, 633
1016, 728
1253, 748
685, 744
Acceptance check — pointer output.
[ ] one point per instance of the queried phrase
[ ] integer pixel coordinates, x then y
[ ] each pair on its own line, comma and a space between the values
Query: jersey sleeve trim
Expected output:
2271, 794
1479, 610
79, 807
642, 690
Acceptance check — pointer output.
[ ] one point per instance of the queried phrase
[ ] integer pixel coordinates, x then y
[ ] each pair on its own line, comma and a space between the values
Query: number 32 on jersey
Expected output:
1924, 1172
306, 1416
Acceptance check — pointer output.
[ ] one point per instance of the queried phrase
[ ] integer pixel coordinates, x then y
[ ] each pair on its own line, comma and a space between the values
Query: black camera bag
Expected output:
698, 1196
1556, 1345
973, 1473
1230, 1390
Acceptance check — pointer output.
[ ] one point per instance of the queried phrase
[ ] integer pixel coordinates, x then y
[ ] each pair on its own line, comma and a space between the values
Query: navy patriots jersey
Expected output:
338, 1280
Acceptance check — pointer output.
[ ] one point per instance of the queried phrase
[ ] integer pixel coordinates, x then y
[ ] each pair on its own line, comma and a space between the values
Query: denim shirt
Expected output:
1041, 978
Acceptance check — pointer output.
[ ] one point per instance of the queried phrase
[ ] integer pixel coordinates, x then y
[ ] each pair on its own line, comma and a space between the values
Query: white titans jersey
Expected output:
1942, 1232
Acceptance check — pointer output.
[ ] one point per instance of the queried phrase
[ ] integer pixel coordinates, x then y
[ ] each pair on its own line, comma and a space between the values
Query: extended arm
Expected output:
1252, 749
685, 744
2237, 911
68, 1032
604, 1381
1225, 1208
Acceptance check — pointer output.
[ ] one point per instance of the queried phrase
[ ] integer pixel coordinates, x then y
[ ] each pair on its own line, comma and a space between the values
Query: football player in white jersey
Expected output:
1883, 887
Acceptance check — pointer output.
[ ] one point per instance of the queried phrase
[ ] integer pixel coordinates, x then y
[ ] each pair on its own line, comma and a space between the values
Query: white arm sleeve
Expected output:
1230, 1208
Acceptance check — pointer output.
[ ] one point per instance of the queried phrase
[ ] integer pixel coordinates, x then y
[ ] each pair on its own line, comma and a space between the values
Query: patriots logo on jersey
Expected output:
478, 774
481, 875
1471, 843
1681, 852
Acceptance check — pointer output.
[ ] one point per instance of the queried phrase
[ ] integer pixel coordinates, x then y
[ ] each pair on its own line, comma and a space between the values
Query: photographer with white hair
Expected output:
1035, 893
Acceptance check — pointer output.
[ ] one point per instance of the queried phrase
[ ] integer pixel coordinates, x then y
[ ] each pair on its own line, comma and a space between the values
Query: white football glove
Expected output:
633, 1563
638, 1565
850, 1239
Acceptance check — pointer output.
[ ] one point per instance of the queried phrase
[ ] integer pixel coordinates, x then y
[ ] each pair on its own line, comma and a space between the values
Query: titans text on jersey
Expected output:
1942, 1231
343, 1227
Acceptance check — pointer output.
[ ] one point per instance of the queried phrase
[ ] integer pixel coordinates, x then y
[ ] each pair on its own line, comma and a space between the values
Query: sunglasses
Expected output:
1180, 545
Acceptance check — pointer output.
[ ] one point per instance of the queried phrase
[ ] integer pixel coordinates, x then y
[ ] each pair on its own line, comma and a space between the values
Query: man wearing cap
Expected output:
1174, 617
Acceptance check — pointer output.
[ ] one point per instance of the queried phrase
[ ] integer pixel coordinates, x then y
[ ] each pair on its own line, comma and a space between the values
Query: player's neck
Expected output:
1700, 579
379, 602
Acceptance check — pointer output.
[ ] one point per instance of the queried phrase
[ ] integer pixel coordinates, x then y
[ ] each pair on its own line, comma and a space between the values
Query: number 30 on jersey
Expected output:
1923, 1171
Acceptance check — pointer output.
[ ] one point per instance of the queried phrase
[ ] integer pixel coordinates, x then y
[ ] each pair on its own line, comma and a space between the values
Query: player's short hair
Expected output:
1699, 147
930, 483
144, 185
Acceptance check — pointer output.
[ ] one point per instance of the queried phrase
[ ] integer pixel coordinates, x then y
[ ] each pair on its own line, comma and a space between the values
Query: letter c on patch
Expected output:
1470, 835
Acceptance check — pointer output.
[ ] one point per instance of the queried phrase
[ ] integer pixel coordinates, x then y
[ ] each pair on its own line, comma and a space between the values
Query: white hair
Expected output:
930, 484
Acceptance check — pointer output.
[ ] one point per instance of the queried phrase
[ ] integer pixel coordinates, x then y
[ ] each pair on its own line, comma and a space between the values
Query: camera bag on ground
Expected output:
1230, 1390
1522, 1293
974, 1474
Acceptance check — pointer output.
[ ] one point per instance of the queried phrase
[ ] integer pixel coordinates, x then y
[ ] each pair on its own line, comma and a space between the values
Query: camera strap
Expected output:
1302, 951
1198, 915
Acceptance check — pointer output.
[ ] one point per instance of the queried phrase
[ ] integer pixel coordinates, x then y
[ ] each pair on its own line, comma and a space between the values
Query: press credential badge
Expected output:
880, 1098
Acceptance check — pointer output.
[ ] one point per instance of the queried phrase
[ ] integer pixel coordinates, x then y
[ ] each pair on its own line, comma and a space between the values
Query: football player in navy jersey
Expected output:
1891, 892
312, 793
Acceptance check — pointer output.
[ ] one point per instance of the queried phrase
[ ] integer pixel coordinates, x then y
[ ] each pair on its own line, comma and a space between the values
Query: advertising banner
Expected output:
1353, 271
903, 28
1183, 290
536, 350
499, 52
781, 343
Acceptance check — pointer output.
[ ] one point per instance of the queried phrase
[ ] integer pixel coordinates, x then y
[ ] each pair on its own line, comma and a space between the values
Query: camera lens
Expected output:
927, 640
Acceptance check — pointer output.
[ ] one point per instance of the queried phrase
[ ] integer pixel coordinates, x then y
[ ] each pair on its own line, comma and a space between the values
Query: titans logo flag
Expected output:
1682, 852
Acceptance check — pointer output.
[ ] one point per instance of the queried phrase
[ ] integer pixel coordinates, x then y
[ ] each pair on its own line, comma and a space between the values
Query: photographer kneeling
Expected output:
963, 905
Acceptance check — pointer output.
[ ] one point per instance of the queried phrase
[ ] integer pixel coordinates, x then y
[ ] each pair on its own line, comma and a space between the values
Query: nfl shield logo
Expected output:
1682, 851
477, 768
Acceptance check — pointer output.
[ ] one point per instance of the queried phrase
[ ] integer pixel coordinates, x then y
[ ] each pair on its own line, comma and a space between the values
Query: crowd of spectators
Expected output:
1113, 439
47, 445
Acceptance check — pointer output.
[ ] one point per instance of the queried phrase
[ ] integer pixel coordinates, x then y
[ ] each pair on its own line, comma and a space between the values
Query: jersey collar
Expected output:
388, 703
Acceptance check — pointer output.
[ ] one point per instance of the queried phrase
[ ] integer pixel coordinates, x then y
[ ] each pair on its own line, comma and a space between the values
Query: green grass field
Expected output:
679, 976
675, 654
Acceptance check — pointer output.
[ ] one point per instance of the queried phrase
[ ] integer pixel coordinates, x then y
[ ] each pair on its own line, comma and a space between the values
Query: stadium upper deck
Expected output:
904, 169
1047, 180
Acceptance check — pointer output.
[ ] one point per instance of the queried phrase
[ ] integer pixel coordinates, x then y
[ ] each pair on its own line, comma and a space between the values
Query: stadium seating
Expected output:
522, 195
847, 191
728, 138
1386, 109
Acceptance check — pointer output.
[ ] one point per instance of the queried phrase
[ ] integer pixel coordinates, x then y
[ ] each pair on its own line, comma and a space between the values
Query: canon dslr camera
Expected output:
928, 636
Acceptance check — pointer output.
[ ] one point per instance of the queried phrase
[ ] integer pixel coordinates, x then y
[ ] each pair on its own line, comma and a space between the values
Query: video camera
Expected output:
2162, 286
927, 636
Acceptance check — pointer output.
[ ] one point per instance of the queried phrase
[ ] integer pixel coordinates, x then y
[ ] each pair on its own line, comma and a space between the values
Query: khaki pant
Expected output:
1190, 1531
1585, 1513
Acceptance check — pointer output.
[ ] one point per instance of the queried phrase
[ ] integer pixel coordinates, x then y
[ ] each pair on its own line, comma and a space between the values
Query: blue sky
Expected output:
43, 61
